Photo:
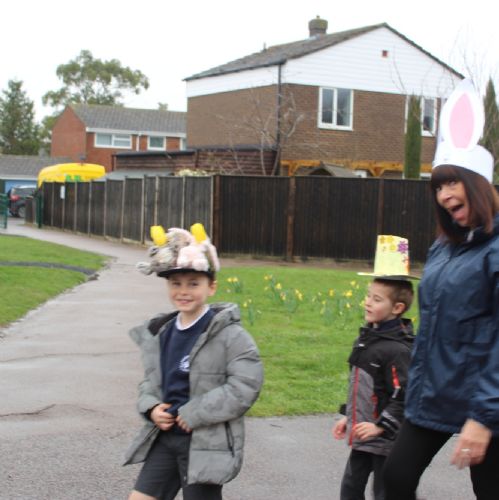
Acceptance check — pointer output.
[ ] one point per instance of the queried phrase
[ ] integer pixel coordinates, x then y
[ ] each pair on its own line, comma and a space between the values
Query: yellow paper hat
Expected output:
392, 258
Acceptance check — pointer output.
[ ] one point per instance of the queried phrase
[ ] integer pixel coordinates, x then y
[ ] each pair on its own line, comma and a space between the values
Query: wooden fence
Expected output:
288, 217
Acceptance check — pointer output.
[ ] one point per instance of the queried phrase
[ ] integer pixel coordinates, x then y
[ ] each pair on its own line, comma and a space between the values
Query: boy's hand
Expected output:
181, 423
162, 418
340, 428
366, 430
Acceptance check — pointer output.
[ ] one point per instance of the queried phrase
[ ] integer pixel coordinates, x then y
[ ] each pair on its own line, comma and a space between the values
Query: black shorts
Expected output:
165, 471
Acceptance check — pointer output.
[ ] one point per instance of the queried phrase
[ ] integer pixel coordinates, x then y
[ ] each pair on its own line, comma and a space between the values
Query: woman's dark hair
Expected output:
482, 198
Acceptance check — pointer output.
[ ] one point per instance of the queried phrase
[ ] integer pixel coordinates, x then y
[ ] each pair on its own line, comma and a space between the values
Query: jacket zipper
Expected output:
230, 438
354, 404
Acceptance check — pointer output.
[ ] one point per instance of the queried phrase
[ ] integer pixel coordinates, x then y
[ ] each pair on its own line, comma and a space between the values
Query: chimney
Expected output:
317, 27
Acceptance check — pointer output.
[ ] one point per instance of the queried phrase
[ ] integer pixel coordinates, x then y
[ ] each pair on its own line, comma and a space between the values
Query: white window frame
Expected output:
433, 131
334, 125
115, 140
156, 148
424, 132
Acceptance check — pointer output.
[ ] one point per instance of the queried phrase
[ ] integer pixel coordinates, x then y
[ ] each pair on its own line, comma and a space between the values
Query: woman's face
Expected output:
451, 196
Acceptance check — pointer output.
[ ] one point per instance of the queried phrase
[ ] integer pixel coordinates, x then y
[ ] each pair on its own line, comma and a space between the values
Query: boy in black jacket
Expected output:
379, 363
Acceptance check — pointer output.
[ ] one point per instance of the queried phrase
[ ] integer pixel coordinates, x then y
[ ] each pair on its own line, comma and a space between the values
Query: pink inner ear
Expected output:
462, 122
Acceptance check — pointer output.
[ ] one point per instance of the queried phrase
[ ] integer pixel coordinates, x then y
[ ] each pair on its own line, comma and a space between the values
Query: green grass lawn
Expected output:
24, 288
304, 321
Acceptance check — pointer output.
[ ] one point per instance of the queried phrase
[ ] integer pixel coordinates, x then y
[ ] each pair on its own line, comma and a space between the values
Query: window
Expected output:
335, 108
155, 142
428, 115
113, 141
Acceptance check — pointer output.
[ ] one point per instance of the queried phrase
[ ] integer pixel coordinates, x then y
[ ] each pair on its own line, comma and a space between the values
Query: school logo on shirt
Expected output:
183, 366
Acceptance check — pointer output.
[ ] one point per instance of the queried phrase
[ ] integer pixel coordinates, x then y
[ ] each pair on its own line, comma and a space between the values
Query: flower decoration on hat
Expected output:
179, 250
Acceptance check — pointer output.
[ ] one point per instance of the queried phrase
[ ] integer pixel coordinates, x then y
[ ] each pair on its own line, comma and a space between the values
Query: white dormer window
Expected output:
335, 108
156, 143
118, 141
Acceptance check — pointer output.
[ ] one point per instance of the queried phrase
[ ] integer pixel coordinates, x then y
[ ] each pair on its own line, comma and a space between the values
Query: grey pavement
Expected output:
68, 379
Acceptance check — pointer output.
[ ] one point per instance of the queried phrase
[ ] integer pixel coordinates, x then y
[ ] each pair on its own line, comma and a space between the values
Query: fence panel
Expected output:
408, 211
97, 199
82, 206
114, 206
58, 204
69, 206
335, 217
198, 192
253, 215
149, 206
133, 209
170, 202
47, 190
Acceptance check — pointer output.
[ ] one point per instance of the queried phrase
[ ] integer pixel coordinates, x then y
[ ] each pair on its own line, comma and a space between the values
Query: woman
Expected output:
454, 375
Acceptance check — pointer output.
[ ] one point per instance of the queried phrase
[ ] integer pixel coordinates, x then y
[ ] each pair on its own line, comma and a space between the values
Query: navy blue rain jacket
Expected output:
454, 372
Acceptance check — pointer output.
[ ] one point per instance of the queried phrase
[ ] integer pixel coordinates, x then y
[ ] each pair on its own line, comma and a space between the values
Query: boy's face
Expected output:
189, 292
379, 305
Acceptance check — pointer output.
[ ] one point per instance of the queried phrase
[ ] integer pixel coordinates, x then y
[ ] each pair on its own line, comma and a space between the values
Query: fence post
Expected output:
156, 199
182, 213
52, 207
290, 234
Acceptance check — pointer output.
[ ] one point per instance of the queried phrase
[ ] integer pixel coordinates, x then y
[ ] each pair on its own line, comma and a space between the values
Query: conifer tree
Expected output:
490, 139
412, 163
19, 134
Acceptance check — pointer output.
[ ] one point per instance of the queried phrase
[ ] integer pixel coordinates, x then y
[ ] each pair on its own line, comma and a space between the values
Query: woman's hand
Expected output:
471, 444
340, 428
162, 418
366, 430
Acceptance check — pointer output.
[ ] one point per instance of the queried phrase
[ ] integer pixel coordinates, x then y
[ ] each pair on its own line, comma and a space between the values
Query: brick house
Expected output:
338, 99
94, 133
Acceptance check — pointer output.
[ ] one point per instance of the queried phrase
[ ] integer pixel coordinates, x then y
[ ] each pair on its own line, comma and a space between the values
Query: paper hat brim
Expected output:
184, 270
393, 277
478, 159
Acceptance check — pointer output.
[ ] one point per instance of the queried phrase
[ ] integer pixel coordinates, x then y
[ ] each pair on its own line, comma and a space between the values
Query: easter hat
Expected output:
180, 251
461, 125
391, 261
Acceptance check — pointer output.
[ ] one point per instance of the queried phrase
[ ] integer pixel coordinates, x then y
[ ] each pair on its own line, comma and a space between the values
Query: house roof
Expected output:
279, 54
96, 116
26, 166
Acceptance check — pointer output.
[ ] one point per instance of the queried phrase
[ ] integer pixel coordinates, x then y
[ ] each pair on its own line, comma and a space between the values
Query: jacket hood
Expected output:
404, 333
226, 313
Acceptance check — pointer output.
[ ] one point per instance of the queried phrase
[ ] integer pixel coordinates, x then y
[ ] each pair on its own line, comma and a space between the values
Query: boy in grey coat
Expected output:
202, 373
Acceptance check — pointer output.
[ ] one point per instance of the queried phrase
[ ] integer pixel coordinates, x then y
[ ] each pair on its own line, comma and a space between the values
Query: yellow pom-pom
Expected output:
197, 230
158, 235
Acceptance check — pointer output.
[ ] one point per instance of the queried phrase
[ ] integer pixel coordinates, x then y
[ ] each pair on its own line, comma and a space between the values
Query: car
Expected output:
17, 199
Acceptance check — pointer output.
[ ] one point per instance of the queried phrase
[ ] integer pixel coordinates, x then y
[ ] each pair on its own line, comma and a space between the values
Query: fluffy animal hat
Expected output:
178, 250
461, 125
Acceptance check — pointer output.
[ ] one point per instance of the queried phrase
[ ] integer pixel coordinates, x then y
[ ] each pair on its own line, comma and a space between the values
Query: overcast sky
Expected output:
170, 40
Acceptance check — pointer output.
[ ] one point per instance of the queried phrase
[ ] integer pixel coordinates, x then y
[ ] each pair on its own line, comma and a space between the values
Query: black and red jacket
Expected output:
379, 364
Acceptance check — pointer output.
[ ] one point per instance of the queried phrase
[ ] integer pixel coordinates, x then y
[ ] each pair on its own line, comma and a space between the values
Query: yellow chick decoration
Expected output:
197, 230
158, 235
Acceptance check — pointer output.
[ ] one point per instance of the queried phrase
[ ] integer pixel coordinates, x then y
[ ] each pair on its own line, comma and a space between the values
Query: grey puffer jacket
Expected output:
225, 377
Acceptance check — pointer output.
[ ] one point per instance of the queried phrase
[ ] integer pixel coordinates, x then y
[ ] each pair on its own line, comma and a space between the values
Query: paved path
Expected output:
68, 377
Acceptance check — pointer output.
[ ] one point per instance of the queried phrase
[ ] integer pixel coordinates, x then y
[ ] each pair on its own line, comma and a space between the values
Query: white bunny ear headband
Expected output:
461, 126
179, 250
